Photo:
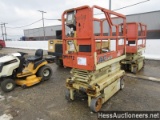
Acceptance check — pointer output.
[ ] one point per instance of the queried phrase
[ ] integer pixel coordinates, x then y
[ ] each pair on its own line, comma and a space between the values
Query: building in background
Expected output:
51, 32
151, 19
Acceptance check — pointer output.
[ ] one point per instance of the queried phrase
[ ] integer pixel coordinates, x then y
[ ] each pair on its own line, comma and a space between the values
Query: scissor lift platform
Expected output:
136, 43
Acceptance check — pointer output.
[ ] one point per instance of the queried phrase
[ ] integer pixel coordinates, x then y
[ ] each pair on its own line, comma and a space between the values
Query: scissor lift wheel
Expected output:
121, 83
135, 69
96, 104
68, 95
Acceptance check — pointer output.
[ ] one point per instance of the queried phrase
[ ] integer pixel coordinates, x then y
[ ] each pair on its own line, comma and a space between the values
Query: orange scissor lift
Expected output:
96, 69
135, 45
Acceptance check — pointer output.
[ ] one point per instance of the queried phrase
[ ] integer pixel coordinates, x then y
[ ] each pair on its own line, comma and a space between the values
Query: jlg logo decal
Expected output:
104, 58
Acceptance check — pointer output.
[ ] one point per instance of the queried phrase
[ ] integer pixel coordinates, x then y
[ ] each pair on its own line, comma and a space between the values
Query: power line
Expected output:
131, 5
52, 19
125, 6
24, 25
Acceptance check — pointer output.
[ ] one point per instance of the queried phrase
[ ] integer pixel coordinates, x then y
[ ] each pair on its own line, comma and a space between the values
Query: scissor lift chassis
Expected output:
133, 62
96, 68
99, 85
136, 43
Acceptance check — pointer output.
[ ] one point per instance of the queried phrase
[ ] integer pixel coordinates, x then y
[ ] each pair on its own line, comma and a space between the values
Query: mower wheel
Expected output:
45, 72
8, 85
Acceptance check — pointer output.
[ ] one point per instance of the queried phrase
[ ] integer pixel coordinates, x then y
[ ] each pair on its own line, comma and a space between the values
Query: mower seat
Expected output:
38, 56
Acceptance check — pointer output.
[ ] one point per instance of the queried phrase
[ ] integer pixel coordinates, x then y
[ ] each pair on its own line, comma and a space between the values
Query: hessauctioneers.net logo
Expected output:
129, 115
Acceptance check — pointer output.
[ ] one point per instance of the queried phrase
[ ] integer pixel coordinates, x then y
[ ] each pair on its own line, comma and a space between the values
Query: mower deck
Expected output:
29, 81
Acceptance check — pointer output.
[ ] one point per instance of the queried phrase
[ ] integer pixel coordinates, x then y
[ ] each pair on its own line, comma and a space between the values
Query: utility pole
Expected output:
109, 4
2, 30
5, 30
108, 24
43, 22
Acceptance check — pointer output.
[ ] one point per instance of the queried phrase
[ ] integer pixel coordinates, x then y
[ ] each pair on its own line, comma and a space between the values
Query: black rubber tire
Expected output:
42, 71
135, 70
122, 83
67, 96
5, 83
143, 63
24, 86
94, 106
59, 62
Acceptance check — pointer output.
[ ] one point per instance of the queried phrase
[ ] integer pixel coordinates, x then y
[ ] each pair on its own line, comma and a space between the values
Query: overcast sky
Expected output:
23, 12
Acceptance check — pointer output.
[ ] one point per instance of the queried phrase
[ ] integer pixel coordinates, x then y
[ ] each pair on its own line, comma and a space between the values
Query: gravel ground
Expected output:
46, 100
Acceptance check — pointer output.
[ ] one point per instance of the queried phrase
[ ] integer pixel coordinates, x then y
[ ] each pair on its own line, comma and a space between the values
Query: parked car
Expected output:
2, 44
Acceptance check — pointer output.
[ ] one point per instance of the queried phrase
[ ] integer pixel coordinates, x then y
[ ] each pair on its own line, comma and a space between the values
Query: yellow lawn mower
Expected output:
13, 71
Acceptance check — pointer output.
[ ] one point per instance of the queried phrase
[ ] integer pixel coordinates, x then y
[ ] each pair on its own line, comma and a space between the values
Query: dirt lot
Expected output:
46, 101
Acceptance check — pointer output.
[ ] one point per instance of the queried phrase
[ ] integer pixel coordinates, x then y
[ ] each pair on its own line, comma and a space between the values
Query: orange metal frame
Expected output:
85, 36
136, 32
